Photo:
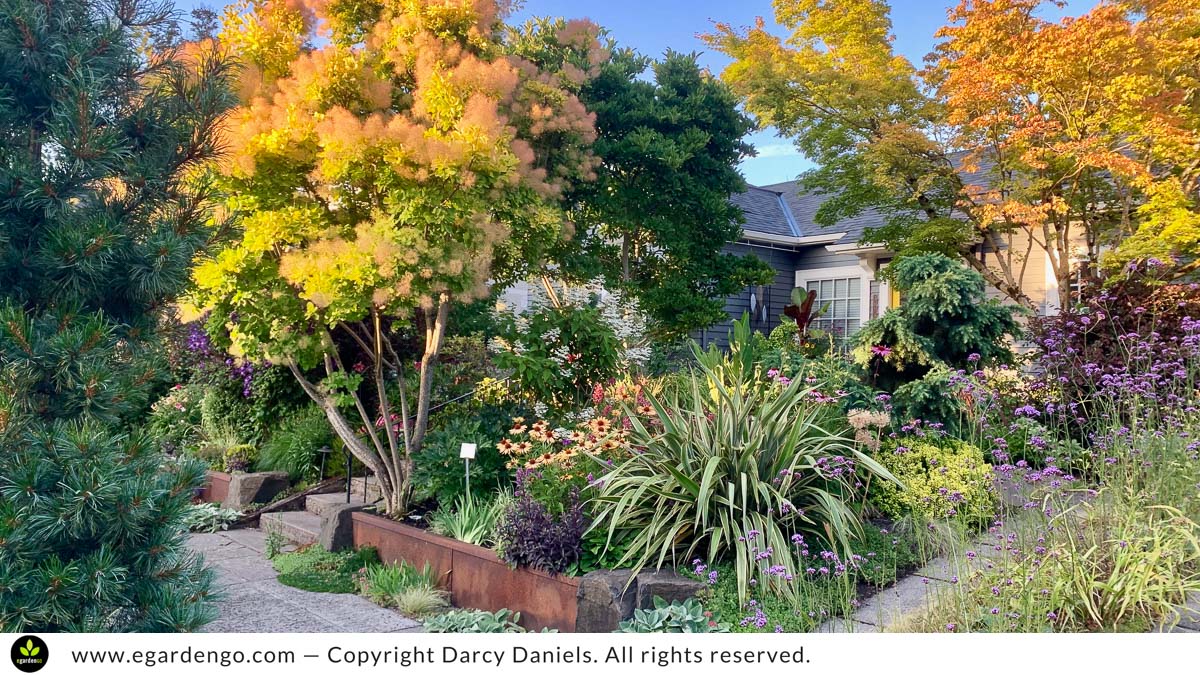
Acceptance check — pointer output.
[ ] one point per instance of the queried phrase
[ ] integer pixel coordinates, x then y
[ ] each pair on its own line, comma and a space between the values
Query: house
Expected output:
781, 230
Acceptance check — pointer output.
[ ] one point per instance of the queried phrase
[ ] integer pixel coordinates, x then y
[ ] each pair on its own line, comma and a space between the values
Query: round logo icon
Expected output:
29, 654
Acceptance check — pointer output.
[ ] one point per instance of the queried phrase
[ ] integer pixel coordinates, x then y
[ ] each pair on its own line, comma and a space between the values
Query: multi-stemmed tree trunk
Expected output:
99, 220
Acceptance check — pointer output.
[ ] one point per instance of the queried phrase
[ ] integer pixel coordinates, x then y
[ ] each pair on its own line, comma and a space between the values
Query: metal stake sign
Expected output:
467, 453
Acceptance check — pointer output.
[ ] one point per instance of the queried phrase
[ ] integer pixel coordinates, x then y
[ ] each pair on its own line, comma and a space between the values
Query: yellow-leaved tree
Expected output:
1074, 141
389, 158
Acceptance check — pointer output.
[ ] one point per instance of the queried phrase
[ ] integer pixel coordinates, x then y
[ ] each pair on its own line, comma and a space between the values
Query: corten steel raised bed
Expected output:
474, 576
216, 488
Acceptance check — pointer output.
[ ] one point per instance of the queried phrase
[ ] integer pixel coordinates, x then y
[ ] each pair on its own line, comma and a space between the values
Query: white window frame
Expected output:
860, 272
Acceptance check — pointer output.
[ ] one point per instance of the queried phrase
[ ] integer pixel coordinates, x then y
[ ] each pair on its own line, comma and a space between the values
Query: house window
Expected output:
844, 299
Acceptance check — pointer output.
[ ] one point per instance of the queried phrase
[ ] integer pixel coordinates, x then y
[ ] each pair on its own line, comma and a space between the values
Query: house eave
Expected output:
811, 240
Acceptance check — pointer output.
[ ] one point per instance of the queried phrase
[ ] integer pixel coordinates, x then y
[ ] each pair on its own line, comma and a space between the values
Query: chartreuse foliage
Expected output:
382, 172
733, 465
100, 213
943, 479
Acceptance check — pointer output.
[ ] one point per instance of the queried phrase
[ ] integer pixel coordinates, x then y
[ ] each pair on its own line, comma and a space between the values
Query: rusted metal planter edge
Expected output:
475, 576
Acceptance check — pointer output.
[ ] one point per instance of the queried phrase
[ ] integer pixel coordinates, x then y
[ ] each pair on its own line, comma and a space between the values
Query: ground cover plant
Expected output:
315, 569
474, 621
688, 616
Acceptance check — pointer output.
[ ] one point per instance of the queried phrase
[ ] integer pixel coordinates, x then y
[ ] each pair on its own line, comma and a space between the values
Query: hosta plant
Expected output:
733, 470
206, 517
688, 616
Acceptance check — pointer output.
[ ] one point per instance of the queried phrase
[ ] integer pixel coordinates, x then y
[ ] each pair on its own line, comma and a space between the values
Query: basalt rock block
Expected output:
664, 584
606, 597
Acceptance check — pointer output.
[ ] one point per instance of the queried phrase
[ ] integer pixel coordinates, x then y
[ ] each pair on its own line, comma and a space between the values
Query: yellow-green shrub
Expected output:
943, 479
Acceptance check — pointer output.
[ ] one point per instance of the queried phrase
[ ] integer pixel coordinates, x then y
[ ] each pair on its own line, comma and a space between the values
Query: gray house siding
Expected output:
817, 257
777, 295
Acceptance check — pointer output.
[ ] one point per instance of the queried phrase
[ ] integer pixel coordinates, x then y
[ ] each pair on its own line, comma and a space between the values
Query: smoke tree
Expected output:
382, 168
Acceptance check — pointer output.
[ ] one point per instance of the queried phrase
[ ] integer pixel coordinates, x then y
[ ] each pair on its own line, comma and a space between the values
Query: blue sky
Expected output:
653, 26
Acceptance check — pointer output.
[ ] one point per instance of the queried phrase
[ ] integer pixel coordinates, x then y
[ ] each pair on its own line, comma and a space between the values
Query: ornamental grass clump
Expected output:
471, 519
410, 590
734, 467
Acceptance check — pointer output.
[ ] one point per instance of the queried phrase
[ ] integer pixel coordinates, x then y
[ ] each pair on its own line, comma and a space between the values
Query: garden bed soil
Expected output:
474, 576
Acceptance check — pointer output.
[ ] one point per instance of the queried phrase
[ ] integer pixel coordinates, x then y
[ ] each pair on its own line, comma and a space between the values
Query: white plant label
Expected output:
468, 451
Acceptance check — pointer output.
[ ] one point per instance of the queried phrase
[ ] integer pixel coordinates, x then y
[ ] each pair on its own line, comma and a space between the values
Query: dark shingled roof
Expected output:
804, 205
765, 212
770, 218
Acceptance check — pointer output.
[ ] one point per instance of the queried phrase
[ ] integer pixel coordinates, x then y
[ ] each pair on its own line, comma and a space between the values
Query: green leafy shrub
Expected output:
470, 519
557, 349
599, 553
207, 517
948, 478
175, 419
728, 459
475, 621
293, 446
439, 468
412, 591
315, 569
688, 616
223, 408
274, 396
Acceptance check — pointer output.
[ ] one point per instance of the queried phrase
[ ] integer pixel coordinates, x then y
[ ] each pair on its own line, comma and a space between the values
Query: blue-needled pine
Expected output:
107, 121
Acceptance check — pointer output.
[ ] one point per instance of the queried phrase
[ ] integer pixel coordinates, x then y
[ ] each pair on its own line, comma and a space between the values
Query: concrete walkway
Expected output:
918, 590
1188, 619
913, 592
252, 601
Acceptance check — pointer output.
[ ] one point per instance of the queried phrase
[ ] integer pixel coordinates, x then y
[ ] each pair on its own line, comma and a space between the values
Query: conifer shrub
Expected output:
102, 209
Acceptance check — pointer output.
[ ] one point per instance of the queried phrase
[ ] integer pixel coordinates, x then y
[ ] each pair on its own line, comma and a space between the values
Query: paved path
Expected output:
1189, 618
916, 591
913, 592
254, 602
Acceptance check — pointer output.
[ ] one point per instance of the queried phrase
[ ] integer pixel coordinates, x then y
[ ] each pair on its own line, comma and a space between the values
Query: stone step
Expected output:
319, 504
365, 488
300, 527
